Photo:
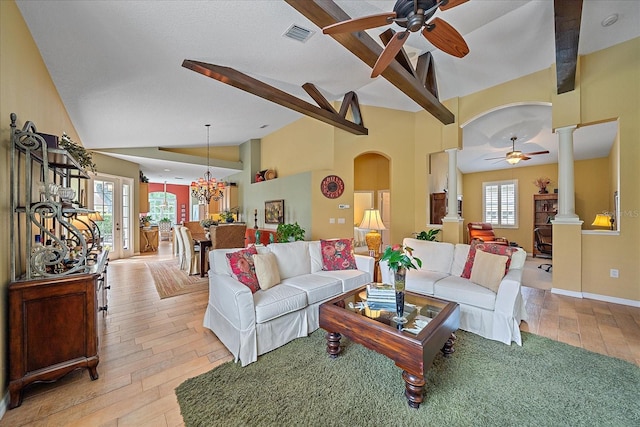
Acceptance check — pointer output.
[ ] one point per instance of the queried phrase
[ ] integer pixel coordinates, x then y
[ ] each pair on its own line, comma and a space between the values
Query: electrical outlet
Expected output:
614, 273
341, 221
332, 220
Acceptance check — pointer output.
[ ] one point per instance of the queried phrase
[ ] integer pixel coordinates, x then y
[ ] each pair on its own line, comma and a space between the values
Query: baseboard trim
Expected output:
4, 405
597, 297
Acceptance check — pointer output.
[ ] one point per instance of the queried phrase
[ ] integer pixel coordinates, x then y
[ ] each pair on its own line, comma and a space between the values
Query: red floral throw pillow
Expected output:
491, 248
337, 254
241, 264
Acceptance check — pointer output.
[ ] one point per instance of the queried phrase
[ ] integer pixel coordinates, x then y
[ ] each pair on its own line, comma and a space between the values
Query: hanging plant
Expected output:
78, 152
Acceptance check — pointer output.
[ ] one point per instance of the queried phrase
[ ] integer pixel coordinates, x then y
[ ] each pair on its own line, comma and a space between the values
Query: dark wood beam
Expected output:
567, 14
326, 12
256, 87
426, 72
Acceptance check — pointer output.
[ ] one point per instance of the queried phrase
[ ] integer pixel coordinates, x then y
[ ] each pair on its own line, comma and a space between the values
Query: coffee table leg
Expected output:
448, 349
333, 344
414, 388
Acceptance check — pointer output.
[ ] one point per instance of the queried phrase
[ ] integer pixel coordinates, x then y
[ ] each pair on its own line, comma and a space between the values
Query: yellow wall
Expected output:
371, 173
27, 90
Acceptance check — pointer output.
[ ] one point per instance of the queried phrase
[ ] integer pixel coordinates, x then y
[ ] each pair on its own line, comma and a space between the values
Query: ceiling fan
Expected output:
514, 156
413, 15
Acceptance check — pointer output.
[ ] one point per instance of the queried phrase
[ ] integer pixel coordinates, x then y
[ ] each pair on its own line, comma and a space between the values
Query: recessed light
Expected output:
167, 170
610, 20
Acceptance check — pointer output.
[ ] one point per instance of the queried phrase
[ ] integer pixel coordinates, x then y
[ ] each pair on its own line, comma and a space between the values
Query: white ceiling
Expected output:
117, 67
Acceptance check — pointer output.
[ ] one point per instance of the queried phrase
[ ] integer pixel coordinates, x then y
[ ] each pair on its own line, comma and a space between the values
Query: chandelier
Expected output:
206, 187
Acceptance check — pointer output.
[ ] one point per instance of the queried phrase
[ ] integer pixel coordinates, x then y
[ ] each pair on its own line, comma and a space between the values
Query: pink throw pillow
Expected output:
337, 254
491, 248
242, 267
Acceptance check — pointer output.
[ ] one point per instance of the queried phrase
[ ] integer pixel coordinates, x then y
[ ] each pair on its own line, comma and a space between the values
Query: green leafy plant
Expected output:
77, 152
400, 256
226, 215
287, 231
145, 218
165, 219
428, 235
207, 222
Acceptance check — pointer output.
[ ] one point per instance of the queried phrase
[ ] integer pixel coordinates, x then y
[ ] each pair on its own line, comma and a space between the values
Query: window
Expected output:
162, 205
500, 203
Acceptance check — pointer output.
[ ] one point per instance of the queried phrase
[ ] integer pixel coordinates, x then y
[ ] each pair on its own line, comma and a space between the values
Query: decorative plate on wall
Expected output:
332, 186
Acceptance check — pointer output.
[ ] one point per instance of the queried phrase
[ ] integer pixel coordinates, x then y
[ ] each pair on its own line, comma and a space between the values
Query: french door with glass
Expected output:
112, 197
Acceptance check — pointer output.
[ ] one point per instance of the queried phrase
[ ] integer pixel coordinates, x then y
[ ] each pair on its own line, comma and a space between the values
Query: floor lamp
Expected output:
371, 221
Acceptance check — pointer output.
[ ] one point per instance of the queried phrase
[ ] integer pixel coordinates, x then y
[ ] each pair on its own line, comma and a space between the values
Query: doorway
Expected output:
372, 175
111, 197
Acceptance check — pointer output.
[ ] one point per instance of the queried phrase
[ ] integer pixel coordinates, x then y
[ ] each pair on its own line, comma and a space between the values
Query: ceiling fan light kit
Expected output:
514, 156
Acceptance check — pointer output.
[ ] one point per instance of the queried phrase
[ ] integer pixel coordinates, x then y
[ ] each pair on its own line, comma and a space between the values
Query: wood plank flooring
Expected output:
149, 346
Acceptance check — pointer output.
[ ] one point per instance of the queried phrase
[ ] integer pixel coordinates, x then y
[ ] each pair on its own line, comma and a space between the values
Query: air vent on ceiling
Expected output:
298, 33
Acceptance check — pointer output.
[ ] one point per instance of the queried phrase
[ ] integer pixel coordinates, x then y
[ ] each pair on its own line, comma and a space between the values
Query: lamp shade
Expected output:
371, 220
96, 216
603, 220
81, 222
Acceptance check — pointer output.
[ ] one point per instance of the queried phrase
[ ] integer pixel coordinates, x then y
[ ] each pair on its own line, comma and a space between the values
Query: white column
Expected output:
452, 185
566, 182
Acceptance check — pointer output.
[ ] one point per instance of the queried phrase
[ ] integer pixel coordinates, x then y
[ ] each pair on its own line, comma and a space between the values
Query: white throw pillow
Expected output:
488, 270
267, 270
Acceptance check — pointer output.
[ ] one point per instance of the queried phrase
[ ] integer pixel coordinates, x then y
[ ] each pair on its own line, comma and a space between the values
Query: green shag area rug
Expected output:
484, 383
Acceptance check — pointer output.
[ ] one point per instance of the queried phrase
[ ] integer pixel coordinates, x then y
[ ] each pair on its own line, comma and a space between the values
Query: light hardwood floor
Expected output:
149, 346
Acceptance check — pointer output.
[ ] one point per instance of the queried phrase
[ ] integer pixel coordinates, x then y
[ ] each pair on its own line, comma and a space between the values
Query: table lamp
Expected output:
371, 221
604, 220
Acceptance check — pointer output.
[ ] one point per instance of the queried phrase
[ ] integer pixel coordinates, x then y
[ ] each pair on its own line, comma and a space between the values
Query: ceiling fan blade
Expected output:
536, 153
389, 53
443, 36
524, 157
452, 3
359, 24
496, 158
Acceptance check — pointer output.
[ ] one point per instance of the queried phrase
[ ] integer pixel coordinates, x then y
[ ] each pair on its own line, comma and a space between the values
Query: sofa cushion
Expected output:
435, 256
278, 301
351, 279
488, 270
241, 264
422, 281
464, 291
267, 271
518, 258
317, 287
337, 254
460, 254
293, 258
486, 247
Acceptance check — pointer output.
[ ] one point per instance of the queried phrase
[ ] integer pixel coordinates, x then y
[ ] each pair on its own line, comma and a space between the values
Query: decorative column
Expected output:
567, 227
451, 223
566, 182
452, 185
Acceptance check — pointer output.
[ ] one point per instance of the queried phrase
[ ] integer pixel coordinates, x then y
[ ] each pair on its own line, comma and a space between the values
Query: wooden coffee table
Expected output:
412, 346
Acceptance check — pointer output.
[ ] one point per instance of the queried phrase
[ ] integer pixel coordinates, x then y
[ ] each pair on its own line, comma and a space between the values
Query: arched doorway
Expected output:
371, 186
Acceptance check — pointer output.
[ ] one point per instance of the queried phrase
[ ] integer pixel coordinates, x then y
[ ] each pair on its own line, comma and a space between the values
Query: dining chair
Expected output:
191, 259
177, 234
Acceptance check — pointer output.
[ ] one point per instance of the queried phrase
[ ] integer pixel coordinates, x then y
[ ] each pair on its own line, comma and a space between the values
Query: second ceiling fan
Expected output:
514, 156
414, 15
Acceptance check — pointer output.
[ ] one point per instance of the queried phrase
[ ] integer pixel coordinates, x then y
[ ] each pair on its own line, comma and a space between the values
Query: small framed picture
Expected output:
274, 212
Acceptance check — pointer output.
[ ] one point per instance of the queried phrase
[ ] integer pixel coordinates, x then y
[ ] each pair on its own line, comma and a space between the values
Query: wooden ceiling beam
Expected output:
326, 12
567, 17
239, 80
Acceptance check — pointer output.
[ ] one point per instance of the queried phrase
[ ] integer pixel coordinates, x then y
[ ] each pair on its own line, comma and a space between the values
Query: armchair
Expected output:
484, 231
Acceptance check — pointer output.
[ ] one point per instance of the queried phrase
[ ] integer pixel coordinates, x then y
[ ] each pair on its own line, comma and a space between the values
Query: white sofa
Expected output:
495, 316
253, 324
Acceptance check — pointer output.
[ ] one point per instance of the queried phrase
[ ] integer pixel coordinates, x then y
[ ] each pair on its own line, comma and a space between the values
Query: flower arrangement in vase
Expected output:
542, 184
400, 258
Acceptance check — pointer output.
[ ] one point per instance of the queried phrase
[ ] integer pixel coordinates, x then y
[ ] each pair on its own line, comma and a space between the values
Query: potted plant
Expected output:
145, 220
428, 235
542, 184
290, 232
226, 216
206, 223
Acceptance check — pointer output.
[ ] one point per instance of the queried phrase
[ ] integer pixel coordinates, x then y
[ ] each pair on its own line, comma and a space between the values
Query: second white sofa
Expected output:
493, 315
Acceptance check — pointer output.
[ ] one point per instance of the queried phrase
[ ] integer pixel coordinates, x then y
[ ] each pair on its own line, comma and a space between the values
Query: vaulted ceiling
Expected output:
117, 66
